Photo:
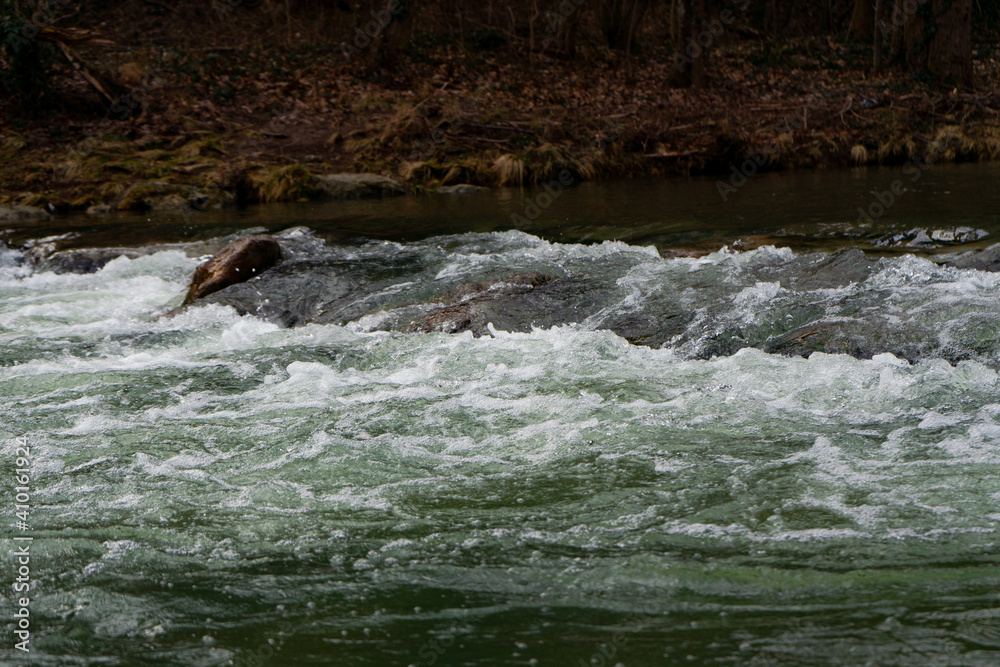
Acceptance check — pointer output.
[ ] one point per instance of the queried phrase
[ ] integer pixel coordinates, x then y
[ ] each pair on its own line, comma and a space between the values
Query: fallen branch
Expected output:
502, 128
78, 66
492, 141
74, 36
689, 126
675, 154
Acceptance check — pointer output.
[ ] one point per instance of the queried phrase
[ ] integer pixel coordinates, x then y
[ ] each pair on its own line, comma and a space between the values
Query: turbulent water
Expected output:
216, 488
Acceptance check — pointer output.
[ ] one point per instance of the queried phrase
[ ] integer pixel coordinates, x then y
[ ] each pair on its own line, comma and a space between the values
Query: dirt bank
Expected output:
257, 124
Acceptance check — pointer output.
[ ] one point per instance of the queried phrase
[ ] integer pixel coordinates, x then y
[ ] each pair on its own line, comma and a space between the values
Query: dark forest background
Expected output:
934, 37
441, 91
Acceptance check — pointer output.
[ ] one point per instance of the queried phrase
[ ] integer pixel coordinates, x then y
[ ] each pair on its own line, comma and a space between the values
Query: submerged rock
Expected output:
472, 306
18, 213
821, 336
238, 262
461, 189
161, 196
838, 270
358, 186
987, 259
770, 298
85, 260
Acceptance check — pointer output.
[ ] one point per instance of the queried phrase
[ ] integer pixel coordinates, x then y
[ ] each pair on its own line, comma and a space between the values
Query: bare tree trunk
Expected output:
681, 76
689, 51
896, 29
674, 16
937, 38
618, 20
531, 30
877, 39
698, 79
393, 39
567, 32
862, 19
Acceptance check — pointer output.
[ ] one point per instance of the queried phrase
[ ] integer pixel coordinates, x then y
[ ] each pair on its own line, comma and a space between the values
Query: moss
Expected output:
140, 197
371, 103
123, 167
200, 147
111, 190
153, 154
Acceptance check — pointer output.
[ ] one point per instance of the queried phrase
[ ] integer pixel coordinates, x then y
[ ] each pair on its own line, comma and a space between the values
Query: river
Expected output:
217, 489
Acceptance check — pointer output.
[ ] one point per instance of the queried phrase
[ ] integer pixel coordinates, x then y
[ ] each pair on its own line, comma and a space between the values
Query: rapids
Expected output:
797, 464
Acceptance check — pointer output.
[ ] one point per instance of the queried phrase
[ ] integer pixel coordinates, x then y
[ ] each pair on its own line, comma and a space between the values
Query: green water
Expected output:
211, 489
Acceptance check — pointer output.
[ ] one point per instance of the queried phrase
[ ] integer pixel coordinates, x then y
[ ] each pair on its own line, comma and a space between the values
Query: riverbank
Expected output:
245, 126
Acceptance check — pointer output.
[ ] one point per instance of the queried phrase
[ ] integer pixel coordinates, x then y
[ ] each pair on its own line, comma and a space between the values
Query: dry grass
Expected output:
987, 141
548, 160
899, 148
290, 183
950, 143
509, 170
783, 150
859, 155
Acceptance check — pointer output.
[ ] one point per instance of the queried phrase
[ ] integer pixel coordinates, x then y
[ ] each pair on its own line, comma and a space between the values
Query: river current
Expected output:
216, 488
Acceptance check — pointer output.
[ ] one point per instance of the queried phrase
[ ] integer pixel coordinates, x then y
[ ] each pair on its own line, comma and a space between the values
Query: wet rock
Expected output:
515, 282
932, 238
987, 259
461, 189
19, 213
839, 270
99, 209
358, 186
771, 300
472, 306
958, 235
238, 262
314, 283
199, 202
294, 293
161, 196
37, 251
451, 319
828, 337
85, 260
13, 262
650, 329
